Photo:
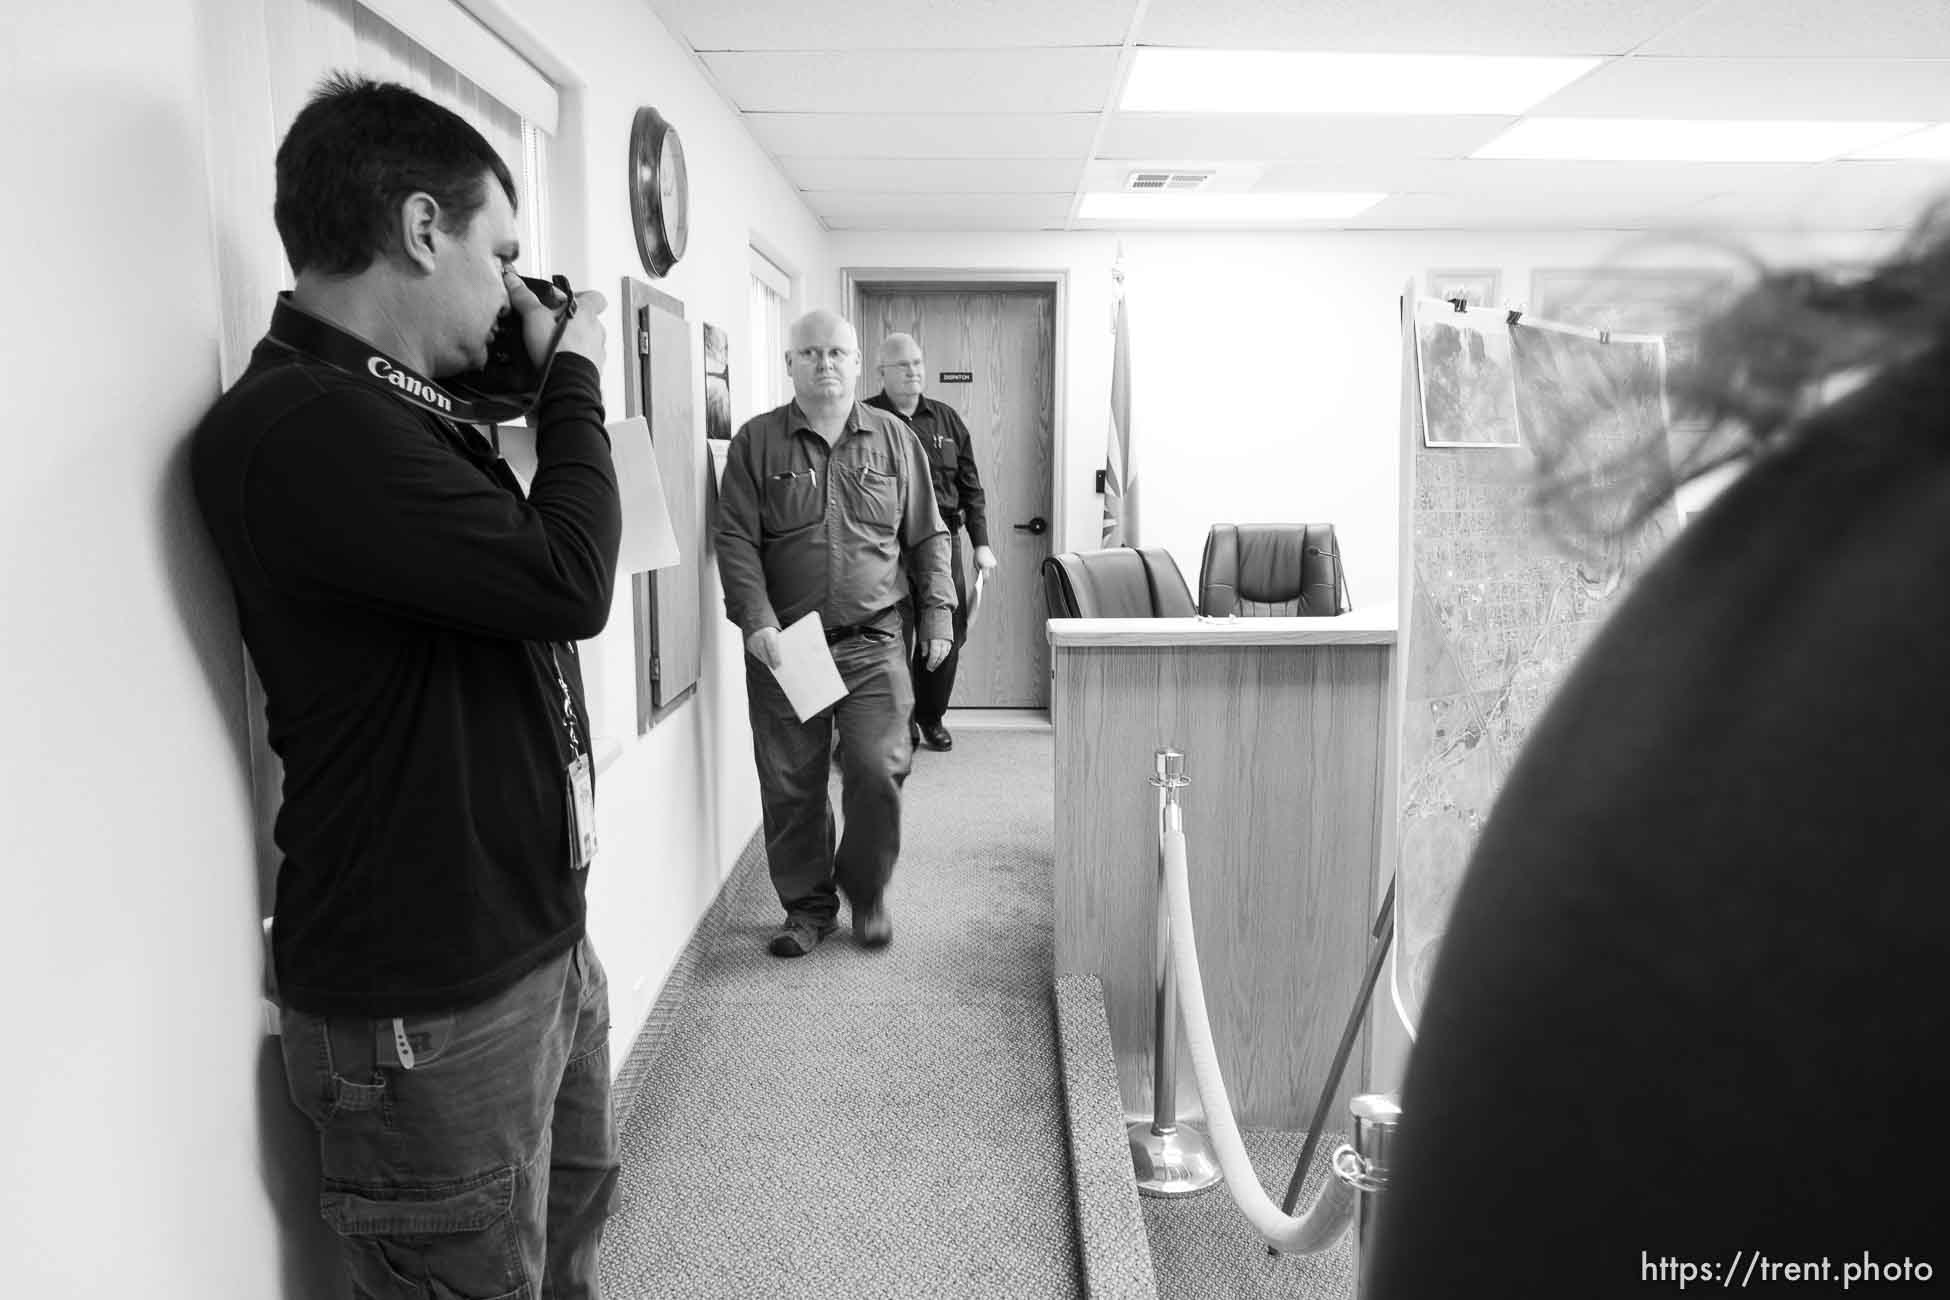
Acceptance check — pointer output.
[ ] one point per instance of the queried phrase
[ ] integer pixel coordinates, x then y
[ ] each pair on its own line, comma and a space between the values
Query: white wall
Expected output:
151, 1149
136, 1064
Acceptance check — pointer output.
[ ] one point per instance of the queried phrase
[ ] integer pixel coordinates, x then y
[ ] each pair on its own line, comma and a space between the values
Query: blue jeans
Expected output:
793, 765
484, 1171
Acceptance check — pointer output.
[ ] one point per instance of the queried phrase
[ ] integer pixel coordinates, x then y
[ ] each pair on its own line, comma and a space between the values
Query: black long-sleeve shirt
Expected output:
951, 463
402, 602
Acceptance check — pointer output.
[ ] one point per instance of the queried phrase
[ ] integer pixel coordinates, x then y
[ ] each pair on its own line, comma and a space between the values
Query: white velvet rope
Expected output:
1333, 1210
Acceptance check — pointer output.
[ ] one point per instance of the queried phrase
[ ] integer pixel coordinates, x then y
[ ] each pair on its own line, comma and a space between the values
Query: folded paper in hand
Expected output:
975, 594
649, 541
806, 672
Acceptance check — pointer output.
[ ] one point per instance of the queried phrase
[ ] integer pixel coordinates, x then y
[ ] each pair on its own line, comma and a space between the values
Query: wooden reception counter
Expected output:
1282, 724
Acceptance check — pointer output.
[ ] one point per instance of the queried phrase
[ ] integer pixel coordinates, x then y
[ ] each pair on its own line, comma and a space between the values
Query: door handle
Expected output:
1035, 527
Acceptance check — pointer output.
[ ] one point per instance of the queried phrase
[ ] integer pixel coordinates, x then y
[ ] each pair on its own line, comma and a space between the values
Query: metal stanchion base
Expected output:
1179, 1163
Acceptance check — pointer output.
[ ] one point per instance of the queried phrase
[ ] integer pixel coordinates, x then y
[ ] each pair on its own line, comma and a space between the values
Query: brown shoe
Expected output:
798, 936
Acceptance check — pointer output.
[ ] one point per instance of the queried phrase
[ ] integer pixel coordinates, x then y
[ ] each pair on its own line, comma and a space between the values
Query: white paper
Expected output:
649, 541
975, 595
806, 672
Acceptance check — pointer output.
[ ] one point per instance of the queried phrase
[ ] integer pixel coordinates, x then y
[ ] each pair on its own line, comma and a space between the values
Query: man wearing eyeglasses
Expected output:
828, 505
958, 491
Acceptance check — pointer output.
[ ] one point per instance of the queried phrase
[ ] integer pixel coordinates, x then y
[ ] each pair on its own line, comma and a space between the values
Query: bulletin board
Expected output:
666, 603
1494, 612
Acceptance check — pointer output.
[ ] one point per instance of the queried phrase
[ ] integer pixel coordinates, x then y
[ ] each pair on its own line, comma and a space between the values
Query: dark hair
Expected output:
354, 154
1772, 353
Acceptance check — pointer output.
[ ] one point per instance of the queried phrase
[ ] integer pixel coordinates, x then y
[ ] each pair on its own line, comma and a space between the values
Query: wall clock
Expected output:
660, 192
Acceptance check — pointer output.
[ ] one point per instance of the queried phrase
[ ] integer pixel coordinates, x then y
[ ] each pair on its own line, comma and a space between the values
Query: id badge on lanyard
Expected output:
580, 781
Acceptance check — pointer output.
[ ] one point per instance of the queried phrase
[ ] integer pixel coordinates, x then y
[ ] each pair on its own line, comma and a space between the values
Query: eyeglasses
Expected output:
916, 366
813, 356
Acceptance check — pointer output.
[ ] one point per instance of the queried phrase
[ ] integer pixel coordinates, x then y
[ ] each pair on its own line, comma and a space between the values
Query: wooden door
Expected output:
1003, 341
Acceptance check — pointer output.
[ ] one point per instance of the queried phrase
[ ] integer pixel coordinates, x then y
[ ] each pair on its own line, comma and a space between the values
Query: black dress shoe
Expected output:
914, 735
872, 927
936, 735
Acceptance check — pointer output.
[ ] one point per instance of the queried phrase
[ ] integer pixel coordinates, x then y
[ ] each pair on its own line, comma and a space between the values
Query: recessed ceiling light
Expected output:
1224, 207
1930, 145
1618, 139
1292, 81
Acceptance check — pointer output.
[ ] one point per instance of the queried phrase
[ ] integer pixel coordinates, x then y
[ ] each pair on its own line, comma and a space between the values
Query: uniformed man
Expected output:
958, 492
824, 502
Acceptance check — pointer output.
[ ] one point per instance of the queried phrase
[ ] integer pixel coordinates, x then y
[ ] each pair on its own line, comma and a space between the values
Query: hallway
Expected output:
865, 1124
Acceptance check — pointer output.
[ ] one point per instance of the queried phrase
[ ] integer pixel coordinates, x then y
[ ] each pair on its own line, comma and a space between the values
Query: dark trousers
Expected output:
487, 1167
794, 762
932, 688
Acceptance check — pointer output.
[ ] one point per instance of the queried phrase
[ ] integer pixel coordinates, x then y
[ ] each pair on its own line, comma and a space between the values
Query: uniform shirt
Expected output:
399, 596
951, 461
848, 530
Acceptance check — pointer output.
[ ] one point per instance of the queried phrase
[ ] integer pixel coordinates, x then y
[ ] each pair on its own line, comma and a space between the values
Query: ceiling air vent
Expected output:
1158, 182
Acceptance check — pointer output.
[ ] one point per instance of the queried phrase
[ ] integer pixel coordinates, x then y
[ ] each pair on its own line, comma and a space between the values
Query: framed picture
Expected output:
717, 383
1476, 288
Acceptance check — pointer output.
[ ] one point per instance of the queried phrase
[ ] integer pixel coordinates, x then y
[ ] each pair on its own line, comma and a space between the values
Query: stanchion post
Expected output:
1364, 1166
1170, 1159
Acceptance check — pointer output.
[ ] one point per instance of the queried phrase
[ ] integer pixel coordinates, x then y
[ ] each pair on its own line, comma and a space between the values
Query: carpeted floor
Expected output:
859, 1124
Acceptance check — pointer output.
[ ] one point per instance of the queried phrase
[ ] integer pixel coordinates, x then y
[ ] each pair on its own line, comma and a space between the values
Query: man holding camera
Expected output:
413, 617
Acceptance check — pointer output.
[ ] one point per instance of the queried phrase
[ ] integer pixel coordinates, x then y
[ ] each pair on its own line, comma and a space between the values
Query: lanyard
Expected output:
295, 328
568, 703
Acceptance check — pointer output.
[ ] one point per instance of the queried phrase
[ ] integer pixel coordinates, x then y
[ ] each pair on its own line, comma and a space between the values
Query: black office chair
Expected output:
1285, 570
1123, 582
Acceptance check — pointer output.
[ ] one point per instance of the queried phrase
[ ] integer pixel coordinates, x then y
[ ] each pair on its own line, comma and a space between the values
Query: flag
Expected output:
1120, 475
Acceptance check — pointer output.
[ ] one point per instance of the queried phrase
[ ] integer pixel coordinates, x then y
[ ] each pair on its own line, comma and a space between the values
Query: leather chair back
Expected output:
1123, 582
1289, 570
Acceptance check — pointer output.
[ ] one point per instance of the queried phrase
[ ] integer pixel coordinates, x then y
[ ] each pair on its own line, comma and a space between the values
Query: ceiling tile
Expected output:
934, 175
1820, 29
1794, 89
922, 81
1220, 136
933, 135
1839, 195
1524, 180
945, 222
941, 211
1471, 212
1836, 209
1413, 26
895, 24
841, 203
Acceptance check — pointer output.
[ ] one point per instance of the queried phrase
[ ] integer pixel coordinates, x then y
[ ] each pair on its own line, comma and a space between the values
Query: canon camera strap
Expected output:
458, 399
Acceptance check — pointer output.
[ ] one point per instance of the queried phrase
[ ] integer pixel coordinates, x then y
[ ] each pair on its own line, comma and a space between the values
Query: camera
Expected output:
511, 375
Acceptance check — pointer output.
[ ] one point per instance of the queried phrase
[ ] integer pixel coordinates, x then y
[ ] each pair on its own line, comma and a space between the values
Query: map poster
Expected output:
1494, 610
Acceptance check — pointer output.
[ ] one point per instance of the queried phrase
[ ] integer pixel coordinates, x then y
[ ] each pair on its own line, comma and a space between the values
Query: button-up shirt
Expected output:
951, 459
849, 529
